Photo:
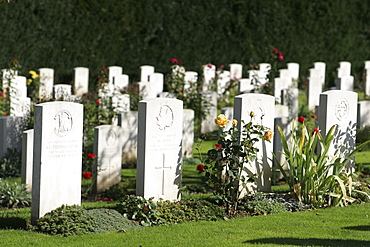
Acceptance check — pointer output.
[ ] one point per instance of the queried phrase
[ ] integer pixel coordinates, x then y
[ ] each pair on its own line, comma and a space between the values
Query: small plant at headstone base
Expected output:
109, 220
10, 164
224, 166
259, 204
14, 195
139, 209
316, 178
66, 221
188, 210
192, 97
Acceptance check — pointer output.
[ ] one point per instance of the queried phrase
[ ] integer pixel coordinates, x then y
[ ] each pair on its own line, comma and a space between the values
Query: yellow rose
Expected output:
235, 122
29, 81
221, 120
268, 135
33, 74
251, 114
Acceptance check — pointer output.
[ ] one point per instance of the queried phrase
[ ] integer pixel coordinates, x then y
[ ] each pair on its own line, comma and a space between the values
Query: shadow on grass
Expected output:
309, 242
13, 223
358, 228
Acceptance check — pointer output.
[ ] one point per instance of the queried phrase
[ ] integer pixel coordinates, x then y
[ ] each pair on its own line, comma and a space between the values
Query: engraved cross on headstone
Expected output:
163, 168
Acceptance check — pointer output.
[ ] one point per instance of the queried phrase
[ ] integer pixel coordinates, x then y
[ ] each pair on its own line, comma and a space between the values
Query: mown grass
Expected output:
349, 226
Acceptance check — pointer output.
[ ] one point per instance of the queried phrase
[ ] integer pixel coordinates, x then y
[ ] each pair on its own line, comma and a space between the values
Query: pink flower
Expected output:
209, 65
200, 167
314, 117
301, 120
174, 60
280, 56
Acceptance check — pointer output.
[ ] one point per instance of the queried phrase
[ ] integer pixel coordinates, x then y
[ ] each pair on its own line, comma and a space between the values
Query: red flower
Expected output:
304, 83
209, 65
98, 101
316, 130
2, 95
174, 60
87, 175
314, 117
6, 114
91, 155
200, 167
301, 120
145, 207
218, 146
111, 200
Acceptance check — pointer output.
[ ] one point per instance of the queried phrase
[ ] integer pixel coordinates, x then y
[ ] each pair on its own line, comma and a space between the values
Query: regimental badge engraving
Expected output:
63, 123
111, 138
341, 109
165, 117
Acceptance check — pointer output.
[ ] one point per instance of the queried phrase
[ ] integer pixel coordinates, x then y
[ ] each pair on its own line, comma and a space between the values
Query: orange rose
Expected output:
221, 120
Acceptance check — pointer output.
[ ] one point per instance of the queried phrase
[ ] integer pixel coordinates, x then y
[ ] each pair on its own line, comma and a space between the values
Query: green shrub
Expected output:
139, 209
10, 164
107, 220
188, 210
66, 221
14, 194
259, 204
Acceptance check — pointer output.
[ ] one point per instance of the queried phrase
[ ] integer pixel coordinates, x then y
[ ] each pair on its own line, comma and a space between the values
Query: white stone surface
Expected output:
188, 133
81, 81
363, 113
263, 106
159, 149
339, 108
62, 91
27, 158
129, 123
146, 70
46, 83
108, 150
236, 71
57, 156
314, 89
11, 129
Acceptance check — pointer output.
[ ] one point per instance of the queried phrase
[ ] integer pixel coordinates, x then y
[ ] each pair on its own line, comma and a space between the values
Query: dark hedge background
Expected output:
63, 34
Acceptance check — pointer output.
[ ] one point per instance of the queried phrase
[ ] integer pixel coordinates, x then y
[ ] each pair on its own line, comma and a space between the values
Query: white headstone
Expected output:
223, 80
129, 123
46, 83
62, 91
285, 124
281, 111
120, 82
81, 81
236, 71
159, 149
321, 67
8, 74
157, 81
209, 73
167, 95
147, 90
108, 150
190, 77
245, 85
263, 106
11, 129
367, 82
280, 84
57, 156
314, 89
207, 124
113, 72
294, 70
146, 71
188, 133
339, 108
289, 97
345, 83
27, 158
344, 69
363, 114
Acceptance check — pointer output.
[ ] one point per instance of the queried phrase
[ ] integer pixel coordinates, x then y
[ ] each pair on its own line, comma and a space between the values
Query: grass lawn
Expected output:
349, 226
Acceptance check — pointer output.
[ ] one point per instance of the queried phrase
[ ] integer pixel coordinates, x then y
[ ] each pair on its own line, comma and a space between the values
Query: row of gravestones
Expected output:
57, 145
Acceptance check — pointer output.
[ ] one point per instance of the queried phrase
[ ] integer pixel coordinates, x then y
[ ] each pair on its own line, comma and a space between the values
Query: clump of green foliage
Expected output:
258, 204
108, 220
13, 194
66, 221
10, 164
